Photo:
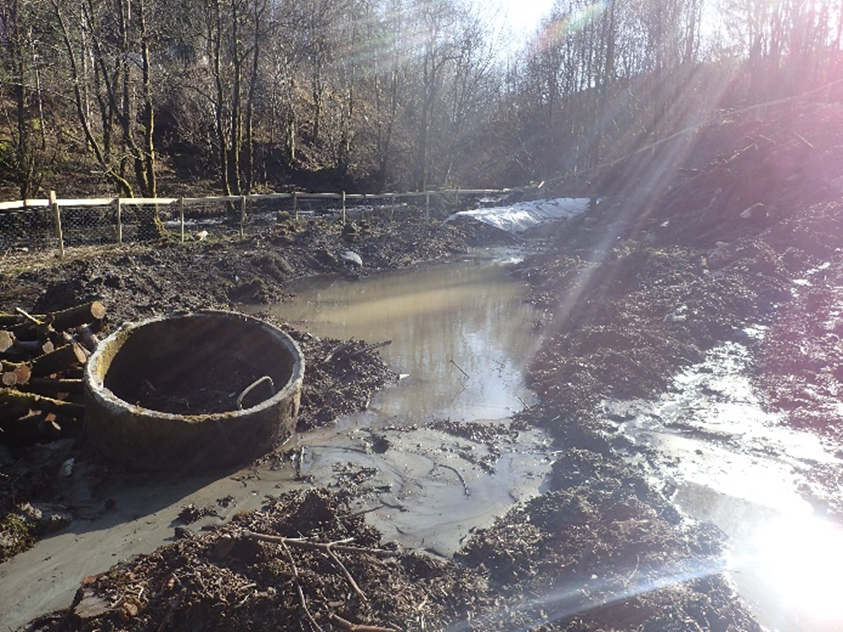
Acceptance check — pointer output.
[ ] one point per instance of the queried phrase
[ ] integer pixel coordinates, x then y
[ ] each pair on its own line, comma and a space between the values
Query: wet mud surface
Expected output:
631, 295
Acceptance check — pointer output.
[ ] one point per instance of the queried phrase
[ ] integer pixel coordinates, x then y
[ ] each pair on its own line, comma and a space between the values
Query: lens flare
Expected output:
803, 561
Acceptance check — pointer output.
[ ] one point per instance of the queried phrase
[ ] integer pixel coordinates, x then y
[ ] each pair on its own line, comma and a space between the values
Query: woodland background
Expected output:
150, 97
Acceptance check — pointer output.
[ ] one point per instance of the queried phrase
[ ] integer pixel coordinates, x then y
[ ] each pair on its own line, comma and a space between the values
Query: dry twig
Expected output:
339, 545
299, 588
343, 624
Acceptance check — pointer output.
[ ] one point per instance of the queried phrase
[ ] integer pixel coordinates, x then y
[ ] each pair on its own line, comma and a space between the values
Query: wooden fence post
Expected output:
119, 221
392, 210
343, 208
242, 215
296, 207
57, 218
181, 217
427, 206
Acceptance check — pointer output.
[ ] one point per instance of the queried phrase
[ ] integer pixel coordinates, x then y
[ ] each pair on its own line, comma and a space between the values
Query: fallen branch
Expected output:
173, 607
348, 575
33, 320
337, 350
39, 402
340, 349
51, 387
459, 476
451, 360
339, 545
343, 624
299, 588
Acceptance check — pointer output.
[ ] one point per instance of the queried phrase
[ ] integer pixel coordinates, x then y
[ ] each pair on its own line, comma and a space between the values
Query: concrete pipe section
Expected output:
190, 391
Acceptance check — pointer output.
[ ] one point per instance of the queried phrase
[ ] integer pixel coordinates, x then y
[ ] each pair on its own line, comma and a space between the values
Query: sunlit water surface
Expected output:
736, 465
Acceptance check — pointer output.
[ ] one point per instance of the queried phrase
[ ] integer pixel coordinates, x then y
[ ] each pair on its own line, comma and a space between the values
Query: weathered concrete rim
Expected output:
105, 353
186, 347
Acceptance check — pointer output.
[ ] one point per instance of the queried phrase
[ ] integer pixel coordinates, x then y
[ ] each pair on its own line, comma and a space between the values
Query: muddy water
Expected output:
734, 464
461, 334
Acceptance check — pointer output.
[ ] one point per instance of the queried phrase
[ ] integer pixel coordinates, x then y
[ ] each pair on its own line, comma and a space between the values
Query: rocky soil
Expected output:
747, 232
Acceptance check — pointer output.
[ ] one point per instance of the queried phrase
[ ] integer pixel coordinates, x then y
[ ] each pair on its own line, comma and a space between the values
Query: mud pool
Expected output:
461, 337
726, 460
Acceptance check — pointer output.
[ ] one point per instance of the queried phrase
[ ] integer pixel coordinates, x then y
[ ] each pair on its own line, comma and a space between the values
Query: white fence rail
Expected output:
44, 223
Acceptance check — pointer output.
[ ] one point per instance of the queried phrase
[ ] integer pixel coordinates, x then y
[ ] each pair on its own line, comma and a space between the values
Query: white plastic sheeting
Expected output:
515, 218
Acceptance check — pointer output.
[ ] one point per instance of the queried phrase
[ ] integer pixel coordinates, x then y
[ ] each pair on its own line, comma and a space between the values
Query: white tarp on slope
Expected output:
523, 215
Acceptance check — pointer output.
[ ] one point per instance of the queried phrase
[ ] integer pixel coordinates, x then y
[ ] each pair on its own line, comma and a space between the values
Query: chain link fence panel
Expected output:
112, 221
27, 228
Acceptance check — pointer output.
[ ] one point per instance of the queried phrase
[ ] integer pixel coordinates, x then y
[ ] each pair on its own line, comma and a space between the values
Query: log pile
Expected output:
42, 357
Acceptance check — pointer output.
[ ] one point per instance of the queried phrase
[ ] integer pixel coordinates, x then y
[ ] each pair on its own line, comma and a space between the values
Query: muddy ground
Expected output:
747, 232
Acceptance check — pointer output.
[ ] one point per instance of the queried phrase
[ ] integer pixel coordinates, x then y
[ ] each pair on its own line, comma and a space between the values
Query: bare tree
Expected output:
21, 24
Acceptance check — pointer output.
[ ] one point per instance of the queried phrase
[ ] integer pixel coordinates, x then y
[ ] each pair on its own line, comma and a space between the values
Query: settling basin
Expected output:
461, 335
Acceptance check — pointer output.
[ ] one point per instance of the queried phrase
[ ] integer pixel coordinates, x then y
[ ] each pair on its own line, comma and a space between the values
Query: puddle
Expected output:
734, 464
427, 489
462, 335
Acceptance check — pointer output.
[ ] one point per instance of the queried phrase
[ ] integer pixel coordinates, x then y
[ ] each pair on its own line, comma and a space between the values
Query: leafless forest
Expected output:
146, 97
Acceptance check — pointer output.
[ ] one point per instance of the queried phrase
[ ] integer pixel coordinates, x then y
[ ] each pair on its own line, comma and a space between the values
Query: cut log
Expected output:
20, 370
10, 412
27, 326
76, 372
51, 387
76, 316
87, 337
7, 340
34, 347
26, 428
10, 320
49, 429
59, 360
33, 401
32, 427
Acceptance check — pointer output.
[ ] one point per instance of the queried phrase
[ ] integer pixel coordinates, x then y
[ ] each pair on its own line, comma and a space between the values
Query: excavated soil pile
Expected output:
750, 232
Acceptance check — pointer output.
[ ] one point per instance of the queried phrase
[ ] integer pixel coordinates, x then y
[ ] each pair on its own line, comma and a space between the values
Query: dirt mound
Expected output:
638, 290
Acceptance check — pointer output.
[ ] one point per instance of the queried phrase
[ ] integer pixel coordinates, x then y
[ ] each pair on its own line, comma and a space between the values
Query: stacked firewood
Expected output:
42, 357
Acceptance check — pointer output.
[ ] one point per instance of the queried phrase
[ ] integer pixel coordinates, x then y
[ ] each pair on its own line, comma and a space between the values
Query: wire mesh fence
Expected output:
56, 223
27, 228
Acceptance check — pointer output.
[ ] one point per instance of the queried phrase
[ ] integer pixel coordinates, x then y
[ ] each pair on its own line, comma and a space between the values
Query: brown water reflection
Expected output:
461, 333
